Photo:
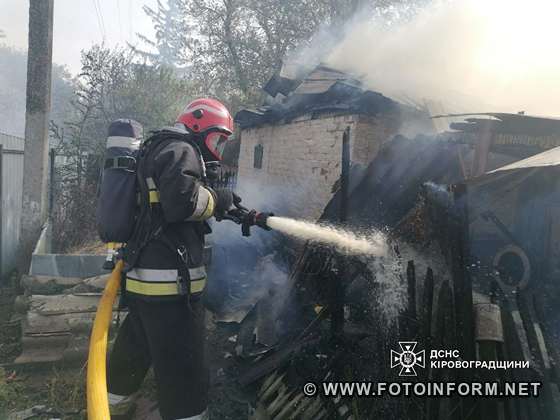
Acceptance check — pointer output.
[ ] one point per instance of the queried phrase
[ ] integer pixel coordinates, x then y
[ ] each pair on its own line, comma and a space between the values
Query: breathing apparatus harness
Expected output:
150, 223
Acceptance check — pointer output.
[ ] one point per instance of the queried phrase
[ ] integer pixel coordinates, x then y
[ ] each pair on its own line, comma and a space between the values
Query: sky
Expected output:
78, 25
461, 56
469, 52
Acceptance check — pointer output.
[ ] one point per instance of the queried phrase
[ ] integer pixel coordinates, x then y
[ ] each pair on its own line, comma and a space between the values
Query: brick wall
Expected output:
301, 159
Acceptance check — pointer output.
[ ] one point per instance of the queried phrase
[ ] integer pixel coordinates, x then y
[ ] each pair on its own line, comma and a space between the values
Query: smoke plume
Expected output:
467, 55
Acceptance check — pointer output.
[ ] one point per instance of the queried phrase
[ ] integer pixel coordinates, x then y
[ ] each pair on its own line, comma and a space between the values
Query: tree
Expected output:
230, 47
112, 84
170, 43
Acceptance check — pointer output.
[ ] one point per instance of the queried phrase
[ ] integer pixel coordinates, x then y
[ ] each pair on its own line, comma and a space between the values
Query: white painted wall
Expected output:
301, 159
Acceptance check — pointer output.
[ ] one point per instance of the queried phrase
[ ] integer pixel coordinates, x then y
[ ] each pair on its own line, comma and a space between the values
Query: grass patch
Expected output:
66, 392
11, 394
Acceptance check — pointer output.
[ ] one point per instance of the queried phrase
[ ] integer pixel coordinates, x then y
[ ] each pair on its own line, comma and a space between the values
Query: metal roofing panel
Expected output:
312, 87
323, 90
509, 123
322, 79
326, 73
12, 142
278, 84
549, 158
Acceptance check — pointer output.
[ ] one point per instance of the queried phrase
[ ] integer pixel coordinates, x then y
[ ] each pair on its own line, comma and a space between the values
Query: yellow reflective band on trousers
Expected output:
161, 289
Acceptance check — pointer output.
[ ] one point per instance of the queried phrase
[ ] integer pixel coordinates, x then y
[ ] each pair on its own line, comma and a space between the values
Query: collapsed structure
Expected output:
471, 217
467, 244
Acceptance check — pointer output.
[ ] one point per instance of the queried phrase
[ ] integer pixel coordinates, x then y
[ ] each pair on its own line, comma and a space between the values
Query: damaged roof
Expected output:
506, 123
384, 192
323, 90
549, 158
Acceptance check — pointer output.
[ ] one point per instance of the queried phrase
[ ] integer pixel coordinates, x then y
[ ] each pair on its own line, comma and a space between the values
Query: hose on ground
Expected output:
97, 400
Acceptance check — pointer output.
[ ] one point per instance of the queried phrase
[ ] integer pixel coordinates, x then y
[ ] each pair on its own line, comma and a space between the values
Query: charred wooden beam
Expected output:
444, 338
427, 305
412, 323
462, 283
458, 236
269, 364
337, 289
547, 403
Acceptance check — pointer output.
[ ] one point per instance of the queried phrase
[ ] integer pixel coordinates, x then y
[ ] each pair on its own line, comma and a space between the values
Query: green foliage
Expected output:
8, 393
154, 96
113, 84
62, 393
230, 48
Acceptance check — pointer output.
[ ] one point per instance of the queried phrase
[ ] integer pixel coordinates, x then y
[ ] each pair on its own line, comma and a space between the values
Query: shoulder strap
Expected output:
150, 224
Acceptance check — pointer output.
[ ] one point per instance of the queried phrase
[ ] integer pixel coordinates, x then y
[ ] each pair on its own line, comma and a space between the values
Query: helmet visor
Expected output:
216, 143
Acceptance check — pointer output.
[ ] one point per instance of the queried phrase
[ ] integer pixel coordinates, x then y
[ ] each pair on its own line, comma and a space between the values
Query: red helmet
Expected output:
212, 120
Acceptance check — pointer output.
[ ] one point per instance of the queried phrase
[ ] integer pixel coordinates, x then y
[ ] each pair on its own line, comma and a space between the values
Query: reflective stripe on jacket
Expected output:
174, 176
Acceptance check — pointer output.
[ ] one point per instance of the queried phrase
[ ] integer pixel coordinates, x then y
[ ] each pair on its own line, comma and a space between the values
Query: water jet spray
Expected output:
343, 240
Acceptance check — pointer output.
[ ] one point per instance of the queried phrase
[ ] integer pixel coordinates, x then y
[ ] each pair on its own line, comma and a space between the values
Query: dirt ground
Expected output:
89, 247
59, 391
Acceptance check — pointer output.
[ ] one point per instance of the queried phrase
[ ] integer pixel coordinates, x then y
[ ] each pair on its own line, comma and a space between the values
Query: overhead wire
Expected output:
120, 20
130, 31
102, 20
101, 29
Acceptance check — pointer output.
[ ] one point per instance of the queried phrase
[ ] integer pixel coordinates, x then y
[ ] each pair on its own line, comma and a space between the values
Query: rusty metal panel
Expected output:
488, 326
11, 194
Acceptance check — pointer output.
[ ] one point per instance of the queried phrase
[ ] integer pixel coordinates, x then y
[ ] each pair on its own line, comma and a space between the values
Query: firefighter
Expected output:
165, 326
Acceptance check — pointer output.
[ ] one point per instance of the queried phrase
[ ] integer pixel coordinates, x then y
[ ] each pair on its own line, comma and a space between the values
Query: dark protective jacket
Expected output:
174, 173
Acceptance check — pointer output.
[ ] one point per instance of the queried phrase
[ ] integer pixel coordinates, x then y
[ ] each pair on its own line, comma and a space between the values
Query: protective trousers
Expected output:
170, 336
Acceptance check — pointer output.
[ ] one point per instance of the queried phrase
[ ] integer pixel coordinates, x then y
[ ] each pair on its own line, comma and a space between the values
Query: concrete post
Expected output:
38, 104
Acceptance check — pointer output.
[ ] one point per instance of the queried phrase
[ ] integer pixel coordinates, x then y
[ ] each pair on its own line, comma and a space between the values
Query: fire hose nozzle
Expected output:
261, 220
245, 217
254, 218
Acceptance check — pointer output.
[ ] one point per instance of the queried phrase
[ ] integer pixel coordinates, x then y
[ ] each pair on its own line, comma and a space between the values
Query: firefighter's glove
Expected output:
224, 201
212, 171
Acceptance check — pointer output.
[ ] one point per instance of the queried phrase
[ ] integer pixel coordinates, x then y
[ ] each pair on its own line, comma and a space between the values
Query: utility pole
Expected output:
38, 106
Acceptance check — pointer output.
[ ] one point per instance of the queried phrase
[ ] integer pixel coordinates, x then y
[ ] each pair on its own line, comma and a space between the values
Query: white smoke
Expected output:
469, 55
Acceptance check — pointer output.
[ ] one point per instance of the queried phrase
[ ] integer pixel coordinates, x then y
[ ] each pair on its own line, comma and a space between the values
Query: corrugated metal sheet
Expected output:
322, 91
505, 123
517, 172
314, 87
11, 194
549, 158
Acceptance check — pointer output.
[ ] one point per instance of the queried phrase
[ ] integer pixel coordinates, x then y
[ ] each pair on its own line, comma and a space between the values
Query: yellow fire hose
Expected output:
97, 401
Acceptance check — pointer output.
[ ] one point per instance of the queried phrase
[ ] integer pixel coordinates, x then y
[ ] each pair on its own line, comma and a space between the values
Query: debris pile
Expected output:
343, 314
